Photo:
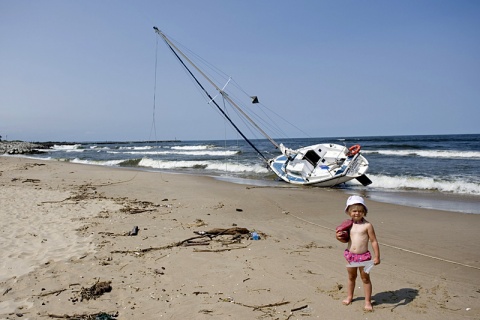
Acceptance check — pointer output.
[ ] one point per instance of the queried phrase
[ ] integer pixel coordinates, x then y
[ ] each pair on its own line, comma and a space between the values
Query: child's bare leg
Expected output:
352, 276
367, 288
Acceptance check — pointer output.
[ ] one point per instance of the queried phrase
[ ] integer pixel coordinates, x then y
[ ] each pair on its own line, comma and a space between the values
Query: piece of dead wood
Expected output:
59, 201
135, 210
194, 241
228, 231
57, 292
169, 246
205, 311
92, 316
270, 305
299, 308
31, 181
220, 250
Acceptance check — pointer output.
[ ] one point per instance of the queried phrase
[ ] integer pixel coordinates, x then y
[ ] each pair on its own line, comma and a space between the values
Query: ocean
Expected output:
430, 171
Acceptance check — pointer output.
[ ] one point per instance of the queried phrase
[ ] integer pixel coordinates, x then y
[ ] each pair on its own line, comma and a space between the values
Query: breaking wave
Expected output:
424, 183
185, 153
427, 153
207, 165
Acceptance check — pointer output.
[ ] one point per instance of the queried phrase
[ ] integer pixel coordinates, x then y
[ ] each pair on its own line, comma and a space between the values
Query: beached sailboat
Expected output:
323, 165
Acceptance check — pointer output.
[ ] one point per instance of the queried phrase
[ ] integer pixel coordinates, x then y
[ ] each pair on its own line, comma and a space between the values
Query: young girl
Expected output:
357, 250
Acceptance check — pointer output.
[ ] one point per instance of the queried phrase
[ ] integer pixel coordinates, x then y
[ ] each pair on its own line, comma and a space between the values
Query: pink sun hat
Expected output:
355, 200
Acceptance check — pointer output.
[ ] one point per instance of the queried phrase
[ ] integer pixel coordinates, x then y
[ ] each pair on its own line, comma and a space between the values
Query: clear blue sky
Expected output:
84, 70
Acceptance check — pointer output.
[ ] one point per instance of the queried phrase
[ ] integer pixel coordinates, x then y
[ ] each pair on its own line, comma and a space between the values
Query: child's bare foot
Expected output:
368, 307
347, 301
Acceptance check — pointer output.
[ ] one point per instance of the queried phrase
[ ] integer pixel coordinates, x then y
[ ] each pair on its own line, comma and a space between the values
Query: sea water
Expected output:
435, 171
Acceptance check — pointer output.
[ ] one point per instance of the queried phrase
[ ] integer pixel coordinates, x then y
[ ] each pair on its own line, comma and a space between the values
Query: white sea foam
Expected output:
187, 153
67, 148
109, 163
136, 148
207, 165
98, 148
201, 147
428, 153
424, 183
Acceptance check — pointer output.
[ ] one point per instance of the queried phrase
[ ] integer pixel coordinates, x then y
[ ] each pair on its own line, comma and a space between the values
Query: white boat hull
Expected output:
323, 165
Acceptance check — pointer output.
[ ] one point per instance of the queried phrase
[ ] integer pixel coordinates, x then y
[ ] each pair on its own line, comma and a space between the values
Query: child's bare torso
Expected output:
359, 237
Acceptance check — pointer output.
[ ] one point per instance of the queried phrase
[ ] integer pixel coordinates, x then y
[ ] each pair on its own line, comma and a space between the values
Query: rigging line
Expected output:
153, 126
178, 52
201, 60
225, 139
393, 247
237, 85
216, 104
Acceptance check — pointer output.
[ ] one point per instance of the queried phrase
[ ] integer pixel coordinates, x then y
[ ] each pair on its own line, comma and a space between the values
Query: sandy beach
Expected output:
70, 250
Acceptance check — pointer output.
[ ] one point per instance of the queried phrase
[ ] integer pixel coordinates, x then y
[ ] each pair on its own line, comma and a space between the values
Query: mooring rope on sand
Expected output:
393, 247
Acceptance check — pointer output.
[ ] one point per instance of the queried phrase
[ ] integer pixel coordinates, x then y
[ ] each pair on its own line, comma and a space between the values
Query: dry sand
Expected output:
65, 230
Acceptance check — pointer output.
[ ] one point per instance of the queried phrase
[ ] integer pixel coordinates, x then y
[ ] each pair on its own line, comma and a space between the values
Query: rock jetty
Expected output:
20, 147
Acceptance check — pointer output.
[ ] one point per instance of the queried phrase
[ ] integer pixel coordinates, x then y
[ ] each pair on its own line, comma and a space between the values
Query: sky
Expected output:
85, 70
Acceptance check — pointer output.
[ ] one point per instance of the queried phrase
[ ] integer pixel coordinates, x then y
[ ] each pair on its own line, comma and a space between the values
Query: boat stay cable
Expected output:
224, 95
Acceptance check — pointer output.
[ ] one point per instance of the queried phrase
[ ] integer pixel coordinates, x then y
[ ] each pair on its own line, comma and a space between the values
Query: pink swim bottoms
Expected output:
357, 257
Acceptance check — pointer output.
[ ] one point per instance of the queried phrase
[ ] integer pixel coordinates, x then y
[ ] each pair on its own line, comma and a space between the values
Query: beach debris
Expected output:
205, 311
135, 207
55, 292
203, 238
299, 308
254, 236
218, 206
134, 231
220, 250
228, 231
197, 223
92, 316
31, 181
96, 290
255, 308
159, 271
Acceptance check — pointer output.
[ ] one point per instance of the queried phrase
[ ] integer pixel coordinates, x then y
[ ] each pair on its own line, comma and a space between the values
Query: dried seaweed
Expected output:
95, 291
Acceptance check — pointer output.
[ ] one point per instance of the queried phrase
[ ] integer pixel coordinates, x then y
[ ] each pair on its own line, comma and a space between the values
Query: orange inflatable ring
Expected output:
353, 150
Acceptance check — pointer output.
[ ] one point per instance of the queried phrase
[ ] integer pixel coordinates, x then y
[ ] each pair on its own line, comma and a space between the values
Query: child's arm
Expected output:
374, 242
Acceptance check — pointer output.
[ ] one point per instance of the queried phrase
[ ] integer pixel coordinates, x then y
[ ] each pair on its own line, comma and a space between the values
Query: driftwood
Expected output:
169, 246
57, 292
228, 231
93, 316
299, 308
220, 250
135, 210
255, 308
31, 181
194, 241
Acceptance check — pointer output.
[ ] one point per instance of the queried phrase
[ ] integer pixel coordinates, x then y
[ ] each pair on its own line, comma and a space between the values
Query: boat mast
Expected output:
223, 93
